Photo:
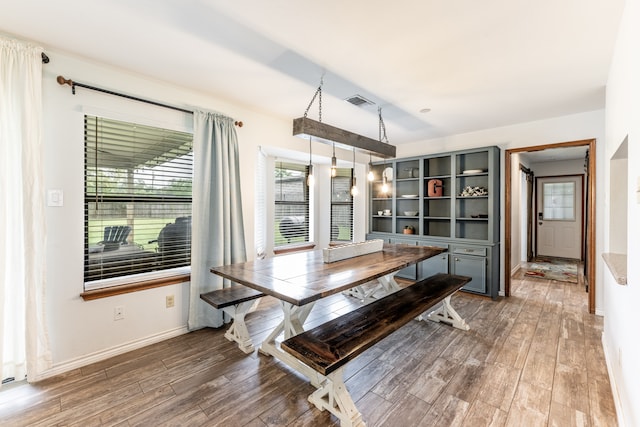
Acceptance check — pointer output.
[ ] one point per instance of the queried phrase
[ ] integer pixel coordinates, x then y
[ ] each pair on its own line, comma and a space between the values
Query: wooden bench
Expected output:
328, 347
236, 301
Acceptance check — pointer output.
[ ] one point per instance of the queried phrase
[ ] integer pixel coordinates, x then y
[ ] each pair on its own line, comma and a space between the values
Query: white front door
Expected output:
559, 217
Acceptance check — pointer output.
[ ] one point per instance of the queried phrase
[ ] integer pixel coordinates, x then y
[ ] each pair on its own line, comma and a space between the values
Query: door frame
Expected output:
582, 209
590, 257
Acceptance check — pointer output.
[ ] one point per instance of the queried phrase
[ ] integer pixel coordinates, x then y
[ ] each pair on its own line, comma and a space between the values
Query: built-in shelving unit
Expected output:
449, 200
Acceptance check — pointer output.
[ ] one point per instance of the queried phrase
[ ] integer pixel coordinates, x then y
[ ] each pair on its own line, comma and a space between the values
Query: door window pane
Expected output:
558, 201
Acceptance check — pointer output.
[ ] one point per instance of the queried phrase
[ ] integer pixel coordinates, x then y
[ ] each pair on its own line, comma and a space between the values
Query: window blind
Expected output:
137, 198
291, 204
341, 206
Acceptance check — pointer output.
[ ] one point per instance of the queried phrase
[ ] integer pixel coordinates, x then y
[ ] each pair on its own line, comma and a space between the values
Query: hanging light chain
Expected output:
382, 130
319, 95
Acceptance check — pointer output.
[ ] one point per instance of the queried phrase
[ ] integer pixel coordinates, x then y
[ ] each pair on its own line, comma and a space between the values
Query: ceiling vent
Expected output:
359, 100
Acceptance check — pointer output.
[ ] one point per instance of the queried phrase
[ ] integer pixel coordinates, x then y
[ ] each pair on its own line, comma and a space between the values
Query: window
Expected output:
558, 201
137, 200
341, 206
291, 204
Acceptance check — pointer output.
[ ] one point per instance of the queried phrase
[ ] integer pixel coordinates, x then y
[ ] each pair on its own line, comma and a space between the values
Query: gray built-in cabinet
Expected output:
450, 200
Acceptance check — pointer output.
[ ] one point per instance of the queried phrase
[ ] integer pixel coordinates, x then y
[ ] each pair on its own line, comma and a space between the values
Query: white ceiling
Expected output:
475, 64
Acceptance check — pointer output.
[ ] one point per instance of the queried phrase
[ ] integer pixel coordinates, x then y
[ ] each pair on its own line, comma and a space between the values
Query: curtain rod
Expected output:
62, 81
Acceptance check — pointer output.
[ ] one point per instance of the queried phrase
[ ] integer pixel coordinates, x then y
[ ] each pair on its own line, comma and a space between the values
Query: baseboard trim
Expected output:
614, 387
61, 368
515, 269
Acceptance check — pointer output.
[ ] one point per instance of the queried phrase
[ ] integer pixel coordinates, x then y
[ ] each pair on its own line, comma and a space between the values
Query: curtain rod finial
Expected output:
61, 81
239, 124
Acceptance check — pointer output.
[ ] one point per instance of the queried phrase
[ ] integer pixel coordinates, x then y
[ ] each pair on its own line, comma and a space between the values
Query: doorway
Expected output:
589, 212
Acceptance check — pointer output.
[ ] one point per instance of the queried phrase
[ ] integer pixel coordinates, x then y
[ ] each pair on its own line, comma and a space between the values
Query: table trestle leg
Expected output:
447, 314
292, 324
335, 398
385, 286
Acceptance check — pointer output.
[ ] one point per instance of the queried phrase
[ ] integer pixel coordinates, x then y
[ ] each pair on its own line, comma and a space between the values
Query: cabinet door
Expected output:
434, 265
474, 267
407, 272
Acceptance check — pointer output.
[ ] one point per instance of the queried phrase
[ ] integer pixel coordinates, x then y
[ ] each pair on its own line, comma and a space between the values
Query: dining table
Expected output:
298, 280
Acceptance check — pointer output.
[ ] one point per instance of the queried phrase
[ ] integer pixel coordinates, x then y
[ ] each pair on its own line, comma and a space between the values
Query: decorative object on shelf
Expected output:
409, 196
387, 212
413, 172
480, 216
380, 213
434, 188
470, 191
305, 127
408, 230
410, 213
387, 174
470, 171
350, 250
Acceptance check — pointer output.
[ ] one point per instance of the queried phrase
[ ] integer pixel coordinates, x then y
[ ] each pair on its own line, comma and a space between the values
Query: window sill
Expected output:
134, 287
617, 264
294, 248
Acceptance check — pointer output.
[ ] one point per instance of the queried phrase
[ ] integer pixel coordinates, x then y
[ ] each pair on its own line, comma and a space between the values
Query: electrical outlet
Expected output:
170, 301
118, 313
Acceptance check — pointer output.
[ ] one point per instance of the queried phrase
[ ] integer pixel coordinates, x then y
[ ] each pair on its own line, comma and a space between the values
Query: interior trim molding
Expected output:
590, 273
614, 388
61, 368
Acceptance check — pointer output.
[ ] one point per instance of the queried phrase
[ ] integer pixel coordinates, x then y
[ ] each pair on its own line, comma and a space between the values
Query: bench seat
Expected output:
329, 346
236, 301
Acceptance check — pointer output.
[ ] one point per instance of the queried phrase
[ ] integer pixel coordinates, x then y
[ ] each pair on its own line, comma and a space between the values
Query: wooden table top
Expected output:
303, 277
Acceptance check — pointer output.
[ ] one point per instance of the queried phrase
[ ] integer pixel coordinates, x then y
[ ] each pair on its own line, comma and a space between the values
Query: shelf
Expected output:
471, 219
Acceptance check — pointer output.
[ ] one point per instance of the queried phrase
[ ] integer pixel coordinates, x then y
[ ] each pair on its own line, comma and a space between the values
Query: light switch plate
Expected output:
55, 198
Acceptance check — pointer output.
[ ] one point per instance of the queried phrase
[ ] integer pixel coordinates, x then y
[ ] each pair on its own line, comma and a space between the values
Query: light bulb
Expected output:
354, 189
334, 169
370, 176
310, 179
385, 186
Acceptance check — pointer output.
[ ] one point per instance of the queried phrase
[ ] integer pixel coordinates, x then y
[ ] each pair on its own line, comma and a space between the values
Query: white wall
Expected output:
84, 331
574, 127
622, 318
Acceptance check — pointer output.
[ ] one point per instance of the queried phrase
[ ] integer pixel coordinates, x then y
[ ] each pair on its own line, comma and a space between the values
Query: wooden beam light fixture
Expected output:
306, 128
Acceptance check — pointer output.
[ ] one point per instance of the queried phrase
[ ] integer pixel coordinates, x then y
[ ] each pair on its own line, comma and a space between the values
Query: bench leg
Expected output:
335, 398
238, 331
446, 314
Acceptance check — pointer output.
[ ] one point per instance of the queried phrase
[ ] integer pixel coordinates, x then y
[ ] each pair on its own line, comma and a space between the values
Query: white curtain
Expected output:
24, 342
217, 223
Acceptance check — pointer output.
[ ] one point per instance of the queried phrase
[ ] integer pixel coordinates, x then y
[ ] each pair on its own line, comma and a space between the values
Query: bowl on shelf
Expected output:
409, 196
410, 213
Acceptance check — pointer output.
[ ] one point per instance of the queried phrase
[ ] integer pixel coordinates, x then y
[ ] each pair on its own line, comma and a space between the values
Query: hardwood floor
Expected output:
533, 359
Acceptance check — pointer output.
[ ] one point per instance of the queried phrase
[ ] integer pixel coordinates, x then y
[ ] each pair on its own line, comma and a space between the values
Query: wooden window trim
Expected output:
135, 287
296, 248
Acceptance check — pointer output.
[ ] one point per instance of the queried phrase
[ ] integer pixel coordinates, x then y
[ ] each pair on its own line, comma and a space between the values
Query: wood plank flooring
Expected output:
533, 359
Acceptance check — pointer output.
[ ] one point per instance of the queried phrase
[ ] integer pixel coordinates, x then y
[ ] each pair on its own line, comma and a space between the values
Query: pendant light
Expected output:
305, 127
310, 179
354, 189
370, 175
334, 168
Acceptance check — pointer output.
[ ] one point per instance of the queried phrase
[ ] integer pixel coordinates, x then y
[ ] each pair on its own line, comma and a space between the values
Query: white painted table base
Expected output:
386, 284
